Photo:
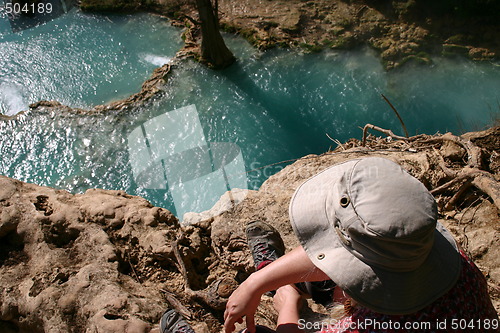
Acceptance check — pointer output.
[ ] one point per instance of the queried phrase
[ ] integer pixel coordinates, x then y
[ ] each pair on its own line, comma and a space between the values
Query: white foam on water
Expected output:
11, 99
155, 59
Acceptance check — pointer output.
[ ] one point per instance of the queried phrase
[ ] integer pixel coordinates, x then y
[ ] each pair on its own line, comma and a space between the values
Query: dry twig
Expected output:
382, 130
133, 270
397, 115
339, 144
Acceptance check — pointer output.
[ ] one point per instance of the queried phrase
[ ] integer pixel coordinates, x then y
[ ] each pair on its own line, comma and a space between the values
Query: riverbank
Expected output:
108, 261
400, 31
396, 31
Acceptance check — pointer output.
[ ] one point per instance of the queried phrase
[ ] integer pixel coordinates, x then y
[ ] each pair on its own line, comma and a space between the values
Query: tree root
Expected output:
489, 186
474, 152
456, 196
442, 164
473, 173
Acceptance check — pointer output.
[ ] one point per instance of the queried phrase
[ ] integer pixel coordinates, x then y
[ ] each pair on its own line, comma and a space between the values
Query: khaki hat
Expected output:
371, 227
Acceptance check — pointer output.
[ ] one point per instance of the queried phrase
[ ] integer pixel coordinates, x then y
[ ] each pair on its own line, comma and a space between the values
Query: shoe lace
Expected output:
262, 252
184, 329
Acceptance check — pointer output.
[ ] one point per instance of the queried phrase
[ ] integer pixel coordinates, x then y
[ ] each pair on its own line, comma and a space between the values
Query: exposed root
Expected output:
474, 152
489, 186
442, 164
451, 203
459, 177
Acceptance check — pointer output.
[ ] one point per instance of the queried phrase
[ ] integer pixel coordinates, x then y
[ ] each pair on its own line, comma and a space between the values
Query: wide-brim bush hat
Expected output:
372, 228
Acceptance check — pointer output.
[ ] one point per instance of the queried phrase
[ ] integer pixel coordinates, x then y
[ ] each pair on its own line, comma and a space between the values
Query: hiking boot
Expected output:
172, 322
264, 242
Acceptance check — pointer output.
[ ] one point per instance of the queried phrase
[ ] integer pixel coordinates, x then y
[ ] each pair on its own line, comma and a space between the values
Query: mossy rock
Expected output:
416, 60
250, 35
312, 48
228, 27
454, 49
457, 39
342, 42
327, 43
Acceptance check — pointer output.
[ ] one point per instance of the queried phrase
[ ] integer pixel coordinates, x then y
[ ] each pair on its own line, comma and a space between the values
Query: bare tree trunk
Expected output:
213, 49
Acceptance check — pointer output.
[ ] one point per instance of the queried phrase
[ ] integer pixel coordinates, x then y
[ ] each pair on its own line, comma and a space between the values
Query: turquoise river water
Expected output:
211, 130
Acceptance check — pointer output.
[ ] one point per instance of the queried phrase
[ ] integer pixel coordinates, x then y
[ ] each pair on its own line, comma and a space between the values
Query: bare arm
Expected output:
293, 267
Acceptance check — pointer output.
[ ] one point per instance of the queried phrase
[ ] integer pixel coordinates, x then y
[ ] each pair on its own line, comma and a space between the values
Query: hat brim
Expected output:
381, 290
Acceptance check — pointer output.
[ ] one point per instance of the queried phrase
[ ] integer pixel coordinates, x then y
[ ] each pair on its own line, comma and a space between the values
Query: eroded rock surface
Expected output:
68, 261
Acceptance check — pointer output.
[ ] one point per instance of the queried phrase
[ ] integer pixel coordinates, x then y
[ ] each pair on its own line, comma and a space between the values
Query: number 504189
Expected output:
476, 325
33, 8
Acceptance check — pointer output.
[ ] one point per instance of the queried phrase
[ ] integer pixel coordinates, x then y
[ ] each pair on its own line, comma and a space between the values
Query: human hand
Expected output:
288, 269
242, 303
288, 301
287, 297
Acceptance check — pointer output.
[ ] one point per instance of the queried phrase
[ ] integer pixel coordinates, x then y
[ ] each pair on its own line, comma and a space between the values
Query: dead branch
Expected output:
180, 263
382, 130
397, 115
133, 270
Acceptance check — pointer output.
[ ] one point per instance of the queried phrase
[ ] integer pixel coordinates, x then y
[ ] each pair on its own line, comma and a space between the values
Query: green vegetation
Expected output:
313, 48
249, 35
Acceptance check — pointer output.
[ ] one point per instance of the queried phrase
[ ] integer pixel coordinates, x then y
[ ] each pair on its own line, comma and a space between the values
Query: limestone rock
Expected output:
65, 260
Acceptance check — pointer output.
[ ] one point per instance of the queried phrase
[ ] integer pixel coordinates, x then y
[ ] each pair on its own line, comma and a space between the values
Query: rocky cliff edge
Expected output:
106, 261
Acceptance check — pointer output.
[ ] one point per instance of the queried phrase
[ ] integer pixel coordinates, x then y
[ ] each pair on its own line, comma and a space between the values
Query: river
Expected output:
211, 130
